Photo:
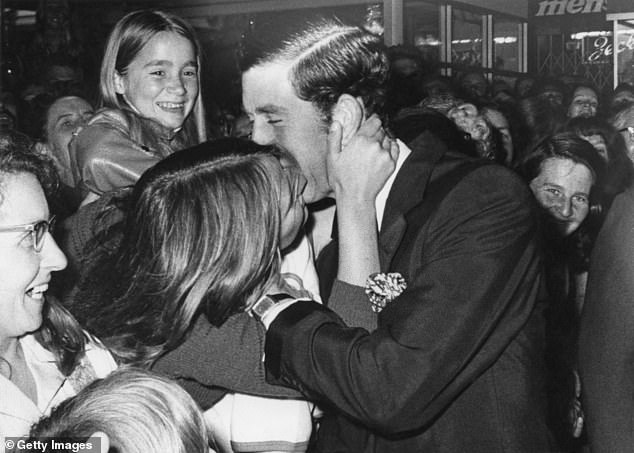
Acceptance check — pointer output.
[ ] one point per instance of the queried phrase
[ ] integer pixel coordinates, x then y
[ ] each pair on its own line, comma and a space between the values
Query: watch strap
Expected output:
266, 302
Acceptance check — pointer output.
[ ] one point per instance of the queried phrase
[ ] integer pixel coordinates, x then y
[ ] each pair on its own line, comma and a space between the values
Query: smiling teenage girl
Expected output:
150, 91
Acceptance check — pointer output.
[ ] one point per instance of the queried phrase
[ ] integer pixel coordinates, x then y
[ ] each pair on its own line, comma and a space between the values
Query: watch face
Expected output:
266, 302
262, 306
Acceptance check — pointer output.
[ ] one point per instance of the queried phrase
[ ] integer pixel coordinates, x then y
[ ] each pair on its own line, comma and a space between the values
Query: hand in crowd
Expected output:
359, 168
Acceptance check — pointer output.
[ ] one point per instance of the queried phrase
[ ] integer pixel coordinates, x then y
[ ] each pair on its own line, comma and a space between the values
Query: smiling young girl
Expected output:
150, 94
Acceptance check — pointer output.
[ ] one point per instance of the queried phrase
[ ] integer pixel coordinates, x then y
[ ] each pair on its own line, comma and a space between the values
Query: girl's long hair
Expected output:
200, 236
127, 39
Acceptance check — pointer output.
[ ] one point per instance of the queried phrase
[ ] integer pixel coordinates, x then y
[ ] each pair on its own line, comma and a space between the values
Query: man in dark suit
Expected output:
606, 338
453, 364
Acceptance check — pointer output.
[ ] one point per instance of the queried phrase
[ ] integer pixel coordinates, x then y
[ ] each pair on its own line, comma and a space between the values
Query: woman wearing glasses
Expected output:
45, 357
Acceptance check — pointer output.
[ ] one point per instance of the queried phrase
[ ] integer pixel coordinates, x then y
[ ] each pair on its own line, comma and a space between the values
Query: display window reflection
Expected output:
466, 42
421, 28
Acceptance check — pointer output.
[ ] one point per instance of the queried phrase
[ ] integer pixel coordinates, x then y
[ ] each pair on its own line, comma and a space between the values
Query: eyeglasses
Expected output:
37, 230
630, 131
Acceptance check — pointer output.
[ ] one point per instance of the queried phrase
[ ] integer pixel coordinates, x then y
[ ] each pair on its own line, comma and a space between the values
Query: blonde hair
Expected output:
139, 411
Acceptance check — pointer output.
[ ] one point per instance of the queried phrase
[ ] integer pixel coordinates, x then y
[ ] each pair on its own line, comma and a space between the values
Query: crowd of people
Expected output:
468, 290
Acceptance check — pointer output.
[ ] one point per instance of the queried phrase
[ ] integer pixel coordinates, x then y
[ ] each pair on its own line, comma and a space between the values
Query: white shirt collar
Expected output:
381, 198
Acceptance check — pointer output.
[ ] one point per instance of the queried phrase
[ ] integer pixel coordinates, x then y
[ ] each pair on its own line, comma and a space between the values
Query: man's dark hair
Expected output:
328, 59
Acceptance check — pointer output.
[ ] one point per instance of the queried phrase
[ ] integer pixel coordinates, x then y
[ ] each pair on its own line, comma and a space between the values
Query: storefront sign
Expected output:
604, 48
561, 7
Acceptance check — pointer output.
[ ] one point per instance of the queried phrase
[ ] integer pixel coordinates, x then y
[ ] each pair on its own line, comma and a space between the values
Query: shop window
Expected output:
506, 42
421, 28
466, 41
625, 50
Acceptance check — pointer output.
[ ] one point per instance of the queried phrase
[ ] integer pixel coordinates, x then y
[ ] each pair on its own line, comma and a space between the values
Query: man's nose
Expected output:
262, 134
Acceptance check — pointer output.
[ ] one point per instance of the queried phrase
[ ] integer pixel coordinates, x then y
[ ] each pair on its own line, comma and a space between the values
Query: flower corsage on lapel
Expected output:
382, 288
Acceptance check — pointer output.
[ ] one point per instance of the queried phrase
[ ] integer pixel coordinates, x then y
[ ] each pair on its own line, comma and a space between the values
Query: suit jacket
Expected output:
606, 338
456, 363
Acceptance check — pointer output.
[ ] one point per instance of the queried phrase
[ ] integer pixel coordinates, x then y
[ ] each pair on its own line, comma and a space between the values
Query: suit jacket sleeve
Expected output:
606, 342
472, 273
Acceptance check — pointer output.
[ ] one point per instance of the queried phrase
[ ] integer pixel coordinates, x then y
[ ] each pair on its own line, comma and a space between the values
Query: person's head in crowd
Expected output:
623, 122
562, 171
410, 123
60, 120
29, 252
437, 85
501, 91
584, 101
293, 91
203, 234
611, 146
473, 86
595, 131
405, 60
28, 260
131, 411
7, 117
151, 67
470, 120
523, 86
540, 119
622, 96
551, 90
497, 118
441, 103
63, 77
406, 75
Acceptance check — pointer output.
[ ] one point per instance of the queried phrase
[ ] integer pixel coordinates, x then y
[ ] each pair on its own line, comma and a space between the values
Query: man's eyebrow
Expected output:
62, 116
270, 108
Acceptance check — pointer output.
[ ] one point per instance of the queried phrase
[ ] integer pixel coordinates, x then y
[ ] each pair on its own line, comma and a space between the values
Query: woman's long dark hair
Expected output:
200, 236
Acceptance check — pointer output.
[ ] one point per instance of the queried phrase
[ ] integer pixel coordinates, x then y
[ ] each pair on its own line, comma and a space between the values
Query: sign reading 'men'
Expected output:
560, 7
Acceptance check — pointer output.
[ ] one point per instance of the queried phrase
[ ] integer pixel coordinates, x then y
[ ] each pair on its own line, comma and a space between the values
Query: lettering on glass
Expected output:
603, 47
561, 7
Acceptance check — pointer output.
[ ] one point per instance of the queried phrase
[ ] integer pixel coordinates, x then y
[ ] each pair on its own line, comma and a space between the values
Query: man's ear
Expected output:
103, 439
119, 83
349, 113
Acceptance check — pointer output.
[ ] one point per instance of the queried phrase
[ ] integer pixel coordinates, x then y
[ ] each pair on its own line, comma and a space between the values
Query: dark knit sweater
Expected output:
213, 361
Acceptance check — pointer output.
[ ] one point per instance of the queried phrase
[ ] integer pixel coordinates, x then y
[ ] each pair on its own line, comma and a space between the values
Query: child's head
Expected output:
132, 411
150, 66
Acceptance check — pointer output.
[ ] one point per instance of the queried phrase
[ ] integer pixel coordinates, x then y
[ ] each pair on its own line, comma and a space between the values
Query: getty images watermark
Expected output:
51, 445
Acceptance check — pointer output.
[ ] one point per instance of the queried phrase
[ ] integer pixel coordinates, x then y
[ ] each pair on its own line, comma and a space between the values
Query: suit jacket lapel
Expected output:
407, 192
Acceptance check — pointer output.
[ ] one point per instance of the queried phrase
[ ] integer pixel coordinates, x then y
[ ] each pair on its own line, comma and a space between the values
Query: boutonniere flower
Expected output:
382, 288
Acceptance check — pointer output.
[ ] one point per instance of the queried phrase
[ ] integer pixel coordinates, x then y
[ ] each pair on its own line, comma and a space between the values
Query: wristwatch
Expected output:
266, 302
